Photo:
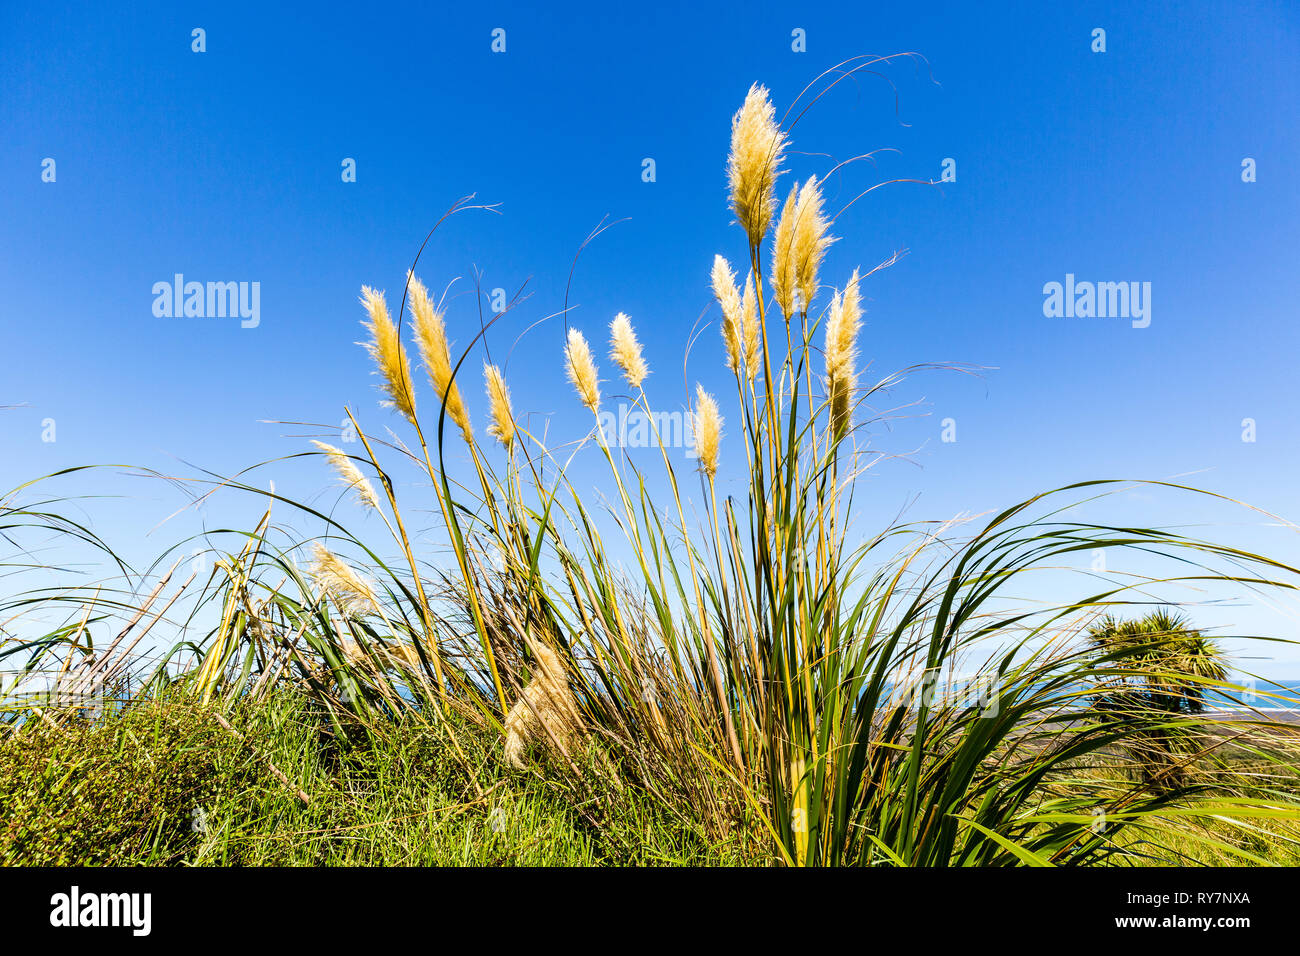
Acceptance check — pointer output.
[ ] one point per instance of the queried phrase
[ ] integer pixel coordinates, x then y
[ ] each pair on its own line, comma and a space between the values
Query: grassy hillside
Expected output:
271, 783
167, 784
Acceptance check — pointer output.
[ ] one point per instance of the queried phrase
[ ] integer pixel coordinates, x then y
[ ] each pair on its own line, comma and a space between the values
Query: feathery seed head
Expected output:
547, 712
581, 369
503, 421
842, 354
350, 474
431, 338
625, 350
385, 348
724, 289
708, 430
757, 145
842, 329
337, 580
810, 240
784, 272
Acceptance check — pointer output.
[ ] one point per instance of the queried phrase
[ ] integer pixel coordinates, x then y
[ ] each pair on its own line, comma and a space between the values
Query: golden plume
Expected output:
581, 369
708, 430
625, 350
431, 338
810, 241
757, 144
386, 350
546, 713
842, 354
350, 474
783, 278
724, 289
503, 421
337, 580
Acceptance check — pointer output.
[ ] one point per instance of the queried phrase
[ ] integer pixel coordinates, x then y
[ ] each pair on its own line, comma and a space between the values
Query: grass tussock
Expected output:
167, 784
670, 667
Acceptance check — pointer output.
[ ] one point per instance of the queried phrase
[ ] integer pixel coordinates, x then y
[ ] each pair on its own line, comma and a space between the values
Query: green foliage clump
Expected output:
137, 788
1153, 672
168, 783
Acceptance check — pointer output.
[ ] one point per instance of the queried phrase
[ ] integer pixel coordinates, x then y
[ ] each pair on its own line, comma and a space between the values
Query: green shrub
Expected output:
136, 788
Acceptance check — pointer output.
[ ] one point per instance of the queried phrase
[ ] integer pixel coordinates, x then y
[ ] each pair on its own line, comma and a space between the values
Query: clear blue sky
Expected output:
225, 166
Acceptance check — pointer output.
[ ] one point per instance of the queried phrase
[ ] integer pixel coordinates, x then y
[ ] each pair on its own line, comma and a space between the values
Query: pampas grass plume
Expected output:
625, 350
386, 350
708, 430
581, 369
350, 474
757, 145
503, 420
431, 338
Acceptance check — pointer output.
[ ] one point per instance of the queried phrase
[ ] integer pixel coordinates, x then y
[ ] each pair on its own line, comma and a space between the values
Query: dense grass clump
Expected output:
272, 784
167, 784
134, 789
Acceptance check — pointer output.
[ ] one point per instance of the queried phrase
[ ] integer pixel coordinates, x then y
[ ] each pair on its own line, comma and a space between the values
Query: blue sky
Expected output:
225, 166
